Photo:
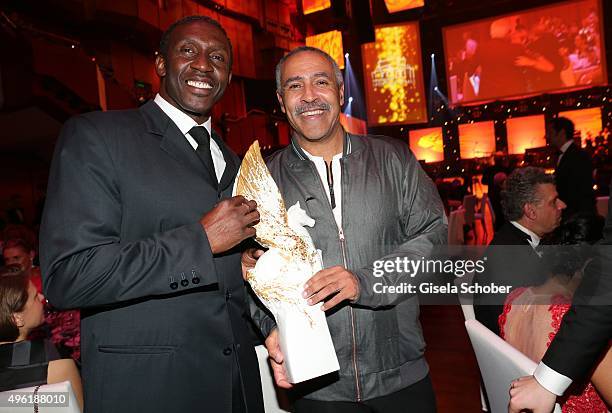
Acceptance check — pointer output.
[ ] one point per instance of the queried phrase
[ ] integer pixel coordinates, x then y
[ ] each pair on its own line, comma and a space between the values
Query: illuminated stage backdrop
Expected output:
353, 125
394, 6
311, 6
525, 132
330, 43
394, 76
427, 144
586, 121
551, 48
476, 140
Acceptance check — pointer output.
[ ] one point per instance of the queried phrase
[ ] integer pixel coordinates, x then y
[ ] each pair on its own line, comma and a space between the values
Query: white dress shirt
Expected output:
534, 240
563, 149
336, 178
184, 122
552, 381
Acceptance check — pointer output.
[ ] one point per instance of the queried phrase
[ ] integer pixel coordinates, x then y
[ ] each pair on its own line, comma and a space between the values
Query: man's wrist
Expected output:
358, 294
549, 379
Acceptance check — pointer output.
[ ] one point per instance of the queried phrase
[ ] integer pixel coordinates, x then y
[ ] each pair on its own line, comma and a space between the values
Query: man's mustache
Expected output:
311, 106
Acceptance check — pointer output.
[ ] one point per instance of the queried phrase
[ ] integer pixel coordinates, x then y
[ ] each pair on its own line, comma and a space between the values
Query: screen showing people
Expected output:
545, 49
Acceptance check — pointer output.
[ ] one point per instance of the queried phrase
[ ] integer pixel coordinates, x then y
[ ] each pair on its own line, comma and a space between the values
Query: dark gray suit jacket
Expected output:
163, 319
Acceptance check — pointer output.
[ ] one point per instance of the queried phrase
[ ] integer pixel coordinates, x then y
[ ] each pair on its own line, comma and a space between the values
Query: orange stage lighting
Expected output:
311, 6
476, 140
330, 43
394, 76
394, 6
587, 122
525, 133
353, 125
427, 144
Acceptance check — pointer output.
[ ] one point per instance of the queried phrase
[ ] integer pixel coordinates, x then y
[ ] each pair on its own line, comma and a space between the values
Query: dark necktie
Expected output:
201, 136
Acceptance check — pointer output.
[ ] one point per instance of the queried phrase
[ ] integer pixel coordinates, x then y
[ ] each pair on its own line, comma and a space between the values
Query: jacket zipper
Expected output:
344, 261
352, 315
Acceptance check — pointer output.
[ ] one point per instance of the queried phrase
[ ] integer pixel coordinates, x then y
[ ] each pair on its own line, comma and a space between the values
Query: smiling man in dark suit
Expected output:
140, 232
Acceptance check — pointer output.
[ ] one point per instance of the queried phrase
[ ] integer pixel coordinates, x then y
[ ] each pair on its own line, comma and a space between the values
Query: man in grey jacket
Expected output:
372, 202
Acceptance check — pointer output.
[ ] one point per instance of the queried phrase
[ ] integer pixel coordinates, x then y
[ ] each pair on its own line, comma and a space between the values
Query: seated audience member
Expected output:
23, 362
532, 316
61, 327
18, 252
533, 210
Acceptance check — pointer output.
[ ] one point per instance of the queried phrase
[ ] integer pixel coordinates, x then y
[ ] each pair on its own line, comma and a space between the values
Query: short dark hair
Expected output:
521, 189
559, 124
164, 43
13, 298
279, 65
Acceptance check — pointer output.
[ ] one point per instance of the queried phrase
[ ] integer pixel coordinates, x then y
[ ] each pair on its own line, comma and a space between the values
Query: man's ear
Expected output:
18, 319
529, 211
229, 79
160, 65
280, 102
341, 95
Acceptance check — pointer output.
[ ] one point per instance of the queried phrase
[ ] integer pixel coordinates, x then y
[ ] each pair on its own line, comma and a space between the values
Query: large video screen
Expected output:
394, 76
587, 122
330, 43
427, 144
546, 49
476, 140
525, 132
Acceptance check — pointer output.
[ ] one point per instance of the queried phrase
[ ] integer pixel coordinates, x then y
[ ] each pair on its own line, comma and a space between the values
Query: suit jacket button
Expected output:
228, 295
174, 285
227, 351
184, 283
195, 280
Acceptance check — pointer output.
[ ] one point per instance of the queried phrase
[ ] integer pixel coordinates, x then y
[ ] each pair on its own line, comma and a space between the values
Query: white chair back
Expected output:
56, 405
499, 364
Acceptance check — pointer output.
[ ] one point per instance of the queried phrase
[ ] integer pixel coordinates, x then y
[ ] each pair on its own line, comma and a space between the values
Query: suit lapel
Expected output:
566, 156
173, 142
231, 163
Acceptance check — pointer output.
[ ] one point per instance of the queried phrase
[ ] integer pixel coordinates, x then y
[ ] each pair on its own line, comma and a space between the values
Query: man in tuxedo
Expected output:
140, 232
574, 172
533, 210
585, 332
